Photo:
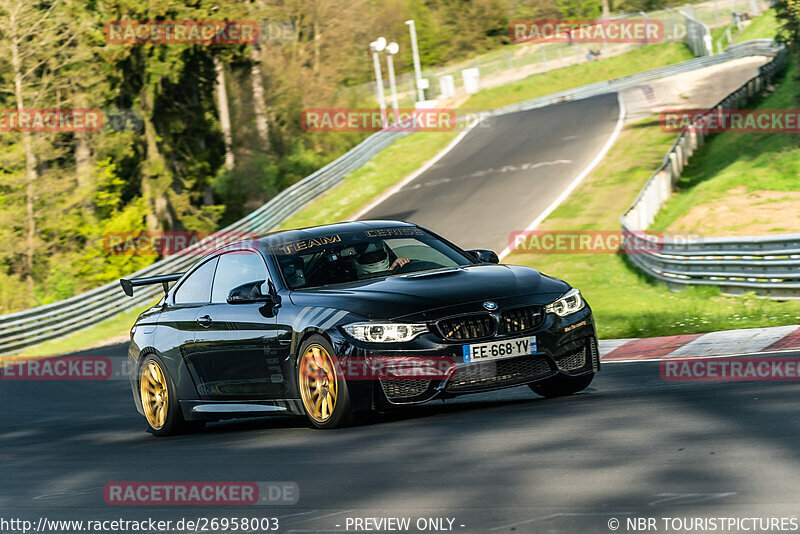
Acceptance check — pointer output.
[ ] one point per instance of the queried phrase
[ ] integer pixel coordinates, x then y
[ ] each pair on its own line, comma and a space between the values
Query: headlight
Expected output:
571, 302
385, 332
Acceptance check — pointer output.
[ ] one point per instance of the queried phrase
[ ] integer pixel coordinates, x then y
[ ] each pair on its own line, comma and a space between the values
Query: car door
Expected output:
177, 323
235, 357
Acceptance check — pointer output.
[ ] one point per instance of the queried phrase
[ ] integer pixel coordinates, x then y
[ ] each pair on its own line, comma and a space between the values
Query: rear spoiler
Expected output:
164, 279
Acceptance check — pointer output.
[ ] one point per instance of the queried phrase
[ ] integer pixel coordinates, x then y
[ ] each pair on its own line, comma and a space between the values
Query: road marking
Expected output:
649, 347
607, 346
559, 514
716, 343
502, 170
431, 162
320, 517
693, 498
716, 356
66, 494
592, 164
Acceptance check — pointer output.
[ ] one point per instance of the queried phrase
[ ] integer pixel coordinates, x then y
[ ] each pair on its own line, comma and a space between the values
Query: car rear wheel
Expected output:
323, 389
160, 401
560, 386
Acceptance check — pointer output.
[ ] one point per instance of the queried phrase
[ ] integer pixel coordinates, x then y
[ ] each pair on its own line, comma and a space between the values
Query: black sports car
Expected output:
350, 317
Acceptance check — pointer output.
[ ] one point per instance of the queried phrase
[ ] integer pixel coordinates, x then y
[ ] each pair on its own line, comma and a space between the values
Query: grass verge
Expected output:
765, 26
626, 303
641, 59
752, 161
391, 165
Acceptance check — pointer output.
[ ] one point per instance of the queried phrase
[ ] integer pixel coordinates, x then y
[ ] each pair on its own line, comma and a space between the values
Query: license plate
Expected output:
497, 350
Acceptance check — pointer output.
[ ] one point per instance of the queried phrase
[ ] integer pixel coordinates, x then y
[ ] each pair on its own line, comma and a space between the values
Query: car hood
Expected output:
428, 294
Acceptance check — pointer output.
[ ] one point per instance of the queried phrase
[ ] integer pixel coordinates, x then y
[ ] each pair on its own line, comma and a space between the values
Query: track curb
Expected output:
713, 344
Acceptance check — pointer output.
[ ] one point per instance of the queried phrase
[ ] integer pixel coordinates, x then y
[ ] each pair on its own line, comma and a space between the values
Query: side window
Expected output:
235, 269
197, 288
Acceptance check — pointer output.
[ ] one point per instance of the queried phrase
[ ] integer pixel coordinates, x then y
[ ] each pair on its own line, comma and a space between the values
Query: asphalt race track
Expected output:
632, 446
505, 172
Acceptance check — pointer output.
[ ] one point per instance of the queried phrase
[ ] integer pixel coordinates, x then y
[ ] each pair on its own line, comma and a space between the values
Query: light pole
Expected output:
415, 53
391, 50
377, 46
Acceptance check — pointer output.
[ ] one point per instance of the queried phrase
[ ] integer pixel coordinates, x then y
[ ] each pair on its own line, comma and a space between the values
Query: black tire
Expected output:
173, 422
342, 414
561, 386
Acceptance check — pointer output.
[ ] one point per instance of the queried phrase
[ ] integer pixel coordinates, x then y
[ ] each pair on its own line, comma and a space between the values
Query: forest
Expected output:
194, 135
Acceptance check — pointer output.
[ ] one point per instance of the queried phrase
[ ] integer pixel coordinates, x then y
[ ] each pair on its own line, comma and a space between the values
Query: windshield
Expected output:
362, 254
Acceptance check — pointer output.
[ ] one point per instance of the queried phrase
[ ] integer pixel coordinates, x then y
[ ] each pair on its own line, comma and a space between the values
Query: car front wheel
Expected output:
322, 386
160, 401
560, 386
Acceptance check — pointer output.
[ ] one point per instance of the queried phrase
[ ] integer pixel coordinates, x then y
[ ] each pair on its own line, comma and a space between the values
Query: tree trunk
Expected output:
259, 104
83, 156
154, 170
606, 9
83, 160
317, 37
31, 174
224, 114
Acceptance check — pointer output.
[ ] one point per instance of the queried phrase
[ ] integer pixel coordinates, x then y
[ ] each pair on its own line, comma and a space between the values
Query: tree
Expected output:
38, 38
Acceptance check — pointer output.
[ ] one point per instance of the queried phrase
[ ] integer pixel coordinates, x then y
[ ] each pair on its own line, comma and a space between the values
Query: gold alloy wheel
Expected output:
318, 385
154, 393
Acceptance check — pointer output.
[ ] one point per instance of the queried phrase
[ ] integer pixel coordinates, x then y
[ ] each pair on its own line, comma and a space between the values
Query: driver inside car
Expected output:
293, 270
374, 259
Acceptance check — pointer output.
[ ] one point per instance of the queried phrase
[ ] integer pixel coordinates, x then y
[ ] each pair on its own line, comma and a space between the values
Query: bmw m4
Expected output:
328, 321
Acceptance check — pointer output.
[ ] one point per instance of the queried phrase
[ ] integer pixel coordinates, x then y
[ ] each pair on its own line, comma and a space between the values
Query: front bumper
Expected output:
565, 346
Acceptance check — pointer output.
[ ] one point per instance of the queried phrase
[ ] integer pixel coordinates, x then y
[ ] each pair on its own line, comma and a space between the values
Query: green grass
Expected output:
641, 59
626, 303
113, 327
717, 33
756, 161
765, 26
371, 179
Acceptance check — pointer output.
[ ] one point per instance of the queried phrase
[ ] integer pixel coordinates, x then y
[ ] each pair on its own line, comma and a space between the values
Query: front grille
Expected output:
572, 361
404, 389
499, 373
595, 357
474, 326
521, 319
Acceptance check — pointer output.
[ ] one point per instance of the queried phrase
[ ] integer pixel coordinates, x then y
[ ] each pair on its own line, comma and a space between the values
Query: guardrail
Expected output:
30, 327
768, 265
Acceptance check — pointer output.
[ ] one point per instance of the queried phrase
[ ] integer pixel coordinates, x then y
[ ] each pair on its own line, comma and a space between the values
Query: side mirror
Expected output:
248, 293
483, 255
